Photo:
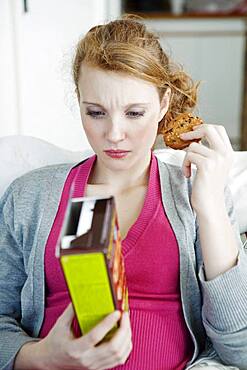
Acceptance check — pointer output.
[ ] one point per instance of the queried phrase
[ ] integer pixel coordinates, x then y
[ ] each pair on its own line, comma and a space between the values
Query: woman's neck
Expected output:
121, 180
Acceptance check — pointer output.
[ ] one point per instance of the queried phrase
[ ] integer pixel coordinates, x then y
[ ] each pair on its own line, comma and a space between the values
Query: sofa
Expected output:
20, 154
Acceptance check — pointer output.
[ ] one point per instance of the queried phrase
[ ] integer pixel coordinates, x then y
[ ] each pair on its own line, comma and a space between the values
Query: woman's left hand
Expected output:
213, 165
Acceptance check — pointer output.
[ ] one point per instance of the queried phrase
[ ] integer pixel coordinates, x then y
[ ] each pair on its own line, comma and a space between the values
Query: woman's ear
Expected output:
164, 104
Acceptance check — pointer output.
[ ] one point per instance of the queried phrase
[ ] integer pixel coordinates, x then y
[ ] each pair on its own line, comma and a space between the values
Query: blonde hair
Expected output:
125, 45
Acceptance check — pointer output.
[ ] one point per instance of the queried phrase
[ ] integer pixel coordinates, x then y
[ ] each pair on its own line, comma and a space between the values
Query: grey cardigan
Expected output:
215, 311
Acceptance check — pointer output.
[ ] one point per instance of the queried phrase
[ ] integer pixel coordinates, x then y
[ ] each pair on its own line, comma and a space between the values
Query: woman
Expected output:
185, 264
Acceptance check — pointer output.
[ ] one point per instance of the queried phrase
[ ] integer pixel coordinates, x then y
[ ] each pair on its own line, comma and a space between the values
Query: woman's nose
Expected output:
115, 132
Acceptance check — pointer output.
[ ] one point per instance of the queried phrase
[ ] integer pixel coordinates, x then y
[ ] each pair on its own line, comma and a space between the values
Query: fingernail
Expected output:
184, 134
116, 314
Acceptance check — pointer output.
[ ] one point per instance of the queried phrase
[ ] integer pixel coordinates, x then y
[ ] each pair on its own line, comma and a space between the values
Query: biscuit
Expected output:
184, 122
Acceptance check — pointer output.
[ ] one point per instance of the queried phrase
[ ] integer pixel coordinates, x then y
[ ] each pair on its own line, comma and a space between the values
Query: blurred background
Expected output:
37, 43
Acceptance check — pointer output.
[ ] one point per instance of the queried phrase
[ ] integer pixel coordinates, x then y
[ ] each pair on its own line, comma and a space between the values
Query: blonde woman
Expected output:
185, 264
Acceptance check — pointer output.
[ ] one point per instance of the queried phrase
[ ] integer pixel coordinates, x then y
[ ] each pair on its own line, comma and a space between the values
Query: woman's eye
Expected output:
101, 114
133, 114
95, 114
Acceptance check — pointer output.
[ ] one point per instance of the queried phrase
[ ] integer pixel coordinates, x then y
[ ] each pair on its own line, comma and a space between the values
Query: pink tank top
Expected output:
160, 337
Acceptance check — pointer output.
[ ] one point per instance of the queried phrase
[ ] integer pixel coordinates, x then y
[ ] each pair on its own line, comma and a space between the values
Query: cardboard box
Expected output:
90, 254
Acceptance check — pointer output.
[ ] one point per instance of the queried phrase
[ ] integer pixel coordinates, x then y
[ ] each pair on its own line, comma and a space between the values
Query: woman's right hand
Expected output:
61, 350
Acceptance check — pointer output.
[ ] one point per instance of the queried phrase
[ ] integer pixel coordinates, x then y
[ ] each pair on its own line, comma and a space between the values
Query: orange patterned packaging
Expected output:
90, 254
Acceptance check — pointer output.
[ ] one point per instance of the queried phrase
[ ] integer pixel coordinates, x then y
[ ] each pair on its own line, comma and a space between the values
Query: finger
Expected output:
67, 316
100, 330
127, 349
119, 339
102, 359
209, 131
223, 133
127, 345
113, 354
107, 363
194, 158
125, 320
186, 169
200, 149
108, 353
123, 331
186, 166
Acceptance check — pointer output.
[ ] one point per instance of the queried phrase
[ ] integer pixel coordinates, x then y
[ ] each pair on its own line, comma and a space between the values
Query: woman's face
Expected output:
119, 113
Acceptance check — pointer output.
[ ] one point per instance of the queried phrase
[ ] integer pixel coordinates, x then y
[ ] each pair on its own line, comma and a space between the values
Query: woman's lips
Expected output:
117, 153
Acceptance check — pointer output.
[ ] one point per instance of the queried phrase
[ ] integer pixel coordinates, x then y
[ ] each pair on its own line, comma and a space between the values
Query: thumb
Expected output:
67, 316
96, 334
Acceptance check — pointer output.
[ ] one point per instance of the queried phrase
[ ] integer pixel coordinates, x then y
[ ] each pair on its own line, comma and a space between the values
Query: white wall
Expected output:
8, 72
37, 93
38, 50
46, 39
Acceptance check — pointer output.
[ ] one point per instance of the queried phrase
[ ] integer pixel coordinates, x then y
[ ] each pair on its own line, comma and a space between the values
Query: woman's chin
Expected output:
117, 163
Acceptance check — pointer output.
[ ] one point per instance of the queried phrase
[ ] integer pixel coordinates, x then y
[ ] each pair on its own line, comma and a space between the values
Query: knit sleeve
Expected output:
224, 311
12, 278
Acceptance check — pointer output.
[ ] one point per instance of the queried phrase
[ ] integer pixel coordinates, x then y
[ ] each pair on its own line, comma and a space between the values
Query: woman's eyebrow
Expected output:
126, 107
139, 104
90, 103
